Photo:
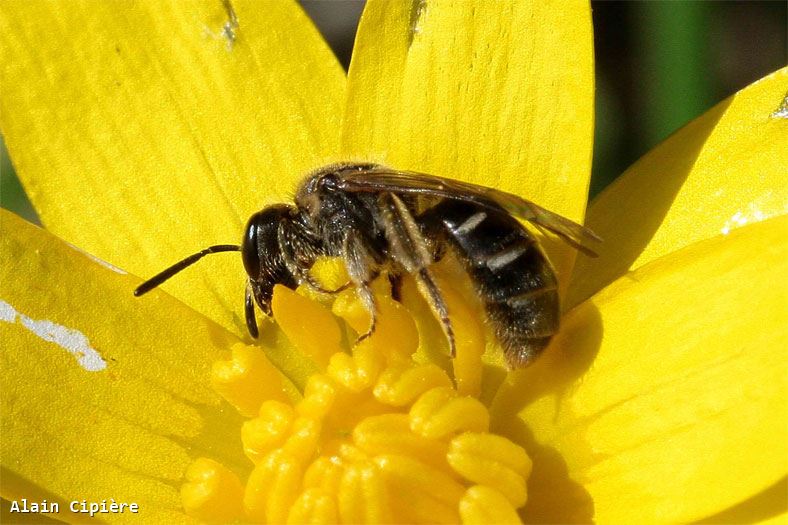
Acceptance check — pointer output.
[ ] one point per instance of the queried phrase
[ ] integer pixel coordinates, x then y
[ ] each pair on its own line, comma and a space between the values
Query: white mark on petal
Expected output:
417, 9
782, 110
73, 341
102, 262
229, 28
7, 312
105, 264
740, 218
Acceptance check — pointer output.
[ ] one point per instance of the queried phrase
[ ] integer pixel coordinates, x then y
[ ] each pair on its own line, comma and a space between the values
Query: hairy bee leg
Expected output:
368, 298
432, 293
411, 251
301, 274
287, 251
307, 279
362, 269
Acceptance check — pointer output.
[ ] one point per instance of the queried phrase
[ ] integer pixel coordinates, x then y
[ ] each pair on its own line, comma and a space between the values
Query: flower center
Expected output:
376, 437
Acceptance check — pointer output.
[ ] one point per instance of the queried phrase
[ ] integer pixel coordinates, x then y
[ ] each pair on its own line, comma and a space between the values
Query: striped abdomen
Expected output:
511, 274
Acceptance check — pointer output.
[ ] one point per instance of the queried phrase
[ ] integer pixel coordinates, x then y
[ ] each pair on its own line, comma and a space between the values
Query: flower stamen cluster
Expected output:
376, 437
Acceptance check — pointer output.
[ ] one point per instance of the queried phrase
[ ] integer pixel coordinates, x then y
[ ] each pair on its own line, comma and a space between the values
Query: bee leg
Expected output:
411, 250
310, 281
429, 289
368, 298
300, 273
362, 269
395, 281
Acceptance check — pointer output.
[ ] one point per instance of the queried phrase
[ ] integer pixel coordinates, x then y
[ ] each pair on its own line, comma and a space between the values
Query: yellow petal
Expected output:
769, 506
780, 519
495, 93
723, 170
663, 397
103, 394
142, 135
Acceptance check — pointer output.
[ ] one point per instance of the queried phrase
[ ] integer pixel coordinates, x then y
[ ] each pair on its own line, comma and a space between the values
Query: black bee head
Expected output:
262, 255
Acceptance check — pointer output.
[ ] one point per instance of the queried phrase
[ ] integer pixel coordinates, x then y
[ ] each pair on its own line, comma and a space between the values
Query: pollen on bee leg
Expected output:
247, 379
212, 493
467, 322
330, 272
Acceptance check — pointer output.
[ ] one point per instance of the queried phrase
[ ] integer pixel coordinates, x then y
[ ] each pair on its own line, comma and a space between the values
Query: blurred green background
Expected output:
659, 64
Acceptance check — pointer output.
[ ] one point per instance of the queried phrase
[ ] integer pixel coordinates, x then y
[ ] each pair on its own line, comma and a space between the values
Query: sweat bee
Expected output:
380, 219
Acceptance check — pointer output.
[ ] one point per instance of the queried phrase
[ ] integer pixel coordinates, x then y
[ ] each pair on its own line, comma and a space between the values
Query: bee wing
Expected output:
407, 182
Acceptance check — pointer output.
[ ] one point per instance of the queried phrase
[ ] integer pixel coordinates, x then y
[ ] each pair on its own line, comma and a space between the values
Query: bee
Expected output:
379, 219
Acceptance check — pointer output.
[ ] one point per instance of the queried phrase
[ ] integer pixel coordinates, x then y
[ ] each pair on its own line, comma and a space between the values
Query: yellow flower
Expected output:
145, 131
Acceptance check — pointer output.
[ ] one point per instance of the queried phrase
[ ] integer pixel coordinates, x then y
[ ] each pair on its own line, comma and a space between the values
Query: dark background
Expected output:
659, 64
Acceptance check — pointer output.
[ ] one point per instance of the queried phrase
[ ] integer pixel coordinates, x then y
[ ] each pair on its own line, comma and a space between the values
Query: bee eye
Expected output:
249, 248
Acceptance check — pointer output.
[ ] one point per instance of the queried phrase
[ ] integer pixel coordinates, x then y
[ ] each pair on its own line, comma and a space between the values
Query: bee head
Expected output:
262, 256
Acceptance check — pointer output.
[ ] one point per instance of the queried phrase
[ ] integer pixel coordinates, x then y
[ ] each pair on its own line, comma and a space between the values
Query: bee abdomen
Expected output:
511, 273
524, 326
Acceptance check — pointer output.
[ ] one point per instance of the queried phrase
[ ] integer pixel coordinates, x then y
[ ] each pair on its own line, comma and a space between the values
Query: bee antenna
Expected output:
160, 277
